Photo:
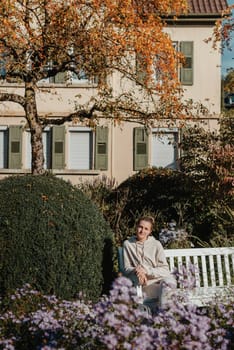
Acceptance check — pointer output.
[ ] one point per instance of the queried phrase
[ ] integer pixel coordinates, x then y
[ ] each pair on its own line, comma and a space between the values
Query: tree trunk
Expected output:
36, 129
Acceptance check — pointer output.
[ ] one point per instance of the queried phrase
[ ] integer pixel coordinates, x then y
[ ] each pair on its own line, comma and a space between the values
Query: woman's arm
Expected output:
161, 268
127, 260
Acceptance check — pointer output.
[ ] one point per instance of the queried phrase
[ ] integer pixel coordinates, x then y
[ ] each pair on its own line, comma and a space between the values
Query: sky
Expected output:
228, 55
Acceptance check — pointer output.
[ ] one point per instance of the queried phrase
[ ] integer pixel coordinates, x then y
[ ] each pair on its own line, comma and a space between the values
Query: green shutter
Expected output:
60, 78
186, 71
140, 69
101, 148
58, 147
140, 158
15, 147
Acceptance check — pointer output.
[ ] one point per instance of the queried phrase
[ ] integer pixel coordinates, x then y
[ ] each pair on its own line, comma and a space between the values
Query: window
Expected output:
140, 69
80, 148
185, 72
165, 148
67, 77
88, 149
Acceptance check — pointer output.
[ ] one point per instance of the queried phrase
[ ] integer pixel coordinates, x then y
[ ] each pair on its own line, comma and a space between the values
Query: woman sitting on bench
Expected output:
146, 265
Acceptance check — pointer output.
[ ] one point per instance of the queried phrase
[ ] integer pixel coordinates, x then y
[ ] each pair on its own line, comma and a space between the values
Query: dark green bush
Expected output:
52, 237
169, 195
151, 191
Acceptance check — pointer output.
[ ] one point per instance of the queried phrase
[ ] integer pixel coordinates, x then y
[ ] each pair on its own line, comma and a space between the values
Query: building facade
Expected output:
79, 153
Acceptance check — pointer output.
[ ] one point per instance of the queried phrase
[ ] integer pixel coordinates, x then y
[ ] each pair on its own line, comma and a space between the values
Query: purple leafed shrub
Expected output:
31, 320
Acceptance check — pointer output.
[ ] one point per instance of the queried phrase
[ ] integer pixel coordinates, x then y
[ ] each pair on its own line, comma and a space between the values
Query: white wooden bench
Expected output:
214, 271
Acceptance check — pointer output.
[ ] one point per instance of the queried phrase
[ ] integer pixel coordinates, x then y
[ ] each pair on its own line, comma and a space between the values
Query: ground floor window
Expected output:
80, 152
158, 148
165, 148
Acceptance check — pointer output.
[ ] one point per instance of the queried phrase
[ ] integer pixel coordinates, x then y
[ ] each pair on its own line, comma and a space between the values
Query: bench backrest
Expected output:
214, 267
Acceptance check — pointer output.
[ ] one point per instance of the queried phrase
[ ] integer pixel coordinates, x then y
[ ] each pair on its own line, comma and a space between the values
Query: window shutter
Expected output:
101, 148
186, 71
58, 147
60, 78
140, 69
15, 147
140, 158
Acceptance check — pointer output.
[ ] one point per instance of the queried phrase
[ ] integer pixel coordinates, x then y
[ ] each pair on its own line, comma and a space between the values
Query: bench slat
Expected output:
204, 271
212, 271
180, 264
171, 263
220, 271
197, 274
227, 270
188, 262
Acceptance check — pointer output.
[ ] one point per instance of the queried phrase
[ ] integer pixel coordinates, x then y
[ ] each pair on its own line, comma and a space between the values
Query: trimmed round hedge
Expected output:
52, 237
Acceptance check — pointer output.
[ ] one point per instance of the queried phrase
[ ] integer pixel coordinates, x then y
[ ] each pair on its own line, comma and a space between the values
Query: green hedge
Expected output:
168, 195
53, 238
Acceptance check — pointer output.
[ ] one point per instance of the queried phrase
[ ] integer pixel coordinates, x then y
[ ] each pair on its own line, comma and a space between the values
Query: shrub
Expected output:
162, 193
171, 195
52, 237
30, 320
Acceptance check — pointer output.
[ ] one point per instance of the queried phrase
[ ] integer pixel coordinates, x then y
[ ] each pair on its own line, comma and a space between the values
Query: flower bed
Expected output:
30, 320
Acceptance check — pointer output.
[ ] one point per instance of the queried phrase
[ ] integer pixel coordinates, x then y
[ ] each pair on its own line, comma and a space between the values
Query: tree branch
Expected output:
7, 97
81, 114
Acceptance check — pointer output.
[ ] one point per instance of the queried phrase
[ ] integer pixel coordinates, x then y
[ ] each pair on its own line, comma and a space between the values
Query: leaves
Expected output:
39, 39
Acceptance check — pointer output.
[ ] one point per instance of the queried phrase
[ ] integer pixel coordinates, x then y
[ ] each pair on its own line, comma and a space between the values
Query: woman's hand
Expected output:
141, 274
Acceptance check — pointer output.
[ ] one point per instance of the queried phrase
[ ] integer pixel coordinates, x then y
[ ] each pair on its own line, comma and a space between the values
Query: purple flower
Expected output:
110, 341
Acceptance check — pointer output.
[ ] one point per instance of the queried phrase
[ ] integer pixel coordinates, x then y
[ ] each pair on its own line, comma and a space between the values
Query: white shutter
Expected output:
79, 150
164, 150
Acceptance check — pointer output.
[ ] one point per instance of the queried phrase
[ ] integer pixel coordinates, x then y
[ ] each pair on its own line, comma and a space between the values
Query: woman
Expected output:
145, 262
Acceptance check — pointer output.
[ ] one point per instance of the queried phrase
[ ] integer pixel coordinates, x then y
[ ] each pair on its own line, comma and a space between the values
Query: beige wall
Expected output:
207, 65
52, 100
206, 89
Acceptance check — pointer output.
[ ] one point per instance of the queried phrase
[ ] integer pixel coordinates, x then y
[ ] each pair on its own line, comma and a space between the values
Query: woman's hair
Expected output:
149, 219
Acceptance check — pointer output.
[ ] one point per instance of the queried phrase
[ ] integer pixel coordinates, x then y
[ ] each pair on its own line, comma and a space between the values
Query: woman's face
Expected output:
144, 229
